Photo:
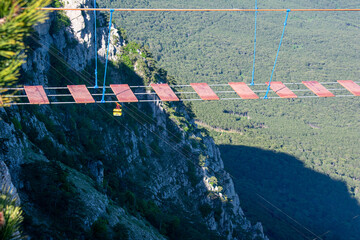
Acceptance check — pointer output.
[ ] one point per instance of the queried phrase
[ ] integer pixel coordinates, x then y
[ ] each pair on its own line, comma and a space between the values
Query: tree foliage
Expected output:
16, 21
10, 216
321, 133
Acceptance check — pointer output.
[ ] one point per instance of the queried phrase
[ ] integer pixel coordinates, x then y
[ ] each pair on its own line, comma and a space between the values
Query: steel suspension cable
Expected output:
277, 54
175, 86
60, 57
317, 236
253, 70
151, 93
95, 44
195, 99
198, 10
107, 56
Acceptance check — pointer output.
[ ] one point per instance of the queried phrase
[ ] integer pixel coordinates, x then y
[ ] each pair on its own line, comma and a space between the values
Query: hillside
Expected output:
81, 173
319, 134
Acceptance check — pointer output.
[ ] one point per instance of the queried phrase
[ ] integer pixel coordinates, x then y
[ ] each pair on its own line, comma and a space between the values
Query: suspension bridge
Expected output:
76, 94
163, 92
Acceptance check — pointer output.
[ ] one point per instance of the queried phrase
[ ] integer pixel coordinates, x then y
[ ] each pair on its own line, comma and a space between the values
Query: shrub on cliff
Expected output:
10, 216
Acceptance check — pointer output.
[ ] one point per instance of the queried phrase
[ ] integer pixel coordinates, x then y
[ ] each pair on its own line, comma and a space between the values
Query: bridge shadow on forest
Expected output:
265, 179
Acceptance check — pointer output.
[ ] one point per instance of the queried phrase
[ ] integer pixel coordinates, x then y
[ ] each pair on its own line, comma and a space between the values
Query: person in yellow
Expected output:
117, 112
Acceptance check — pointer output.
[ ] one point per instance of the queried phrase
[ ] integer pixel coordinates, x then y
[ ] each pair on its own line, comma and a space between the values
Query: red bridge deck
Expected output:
164, 92
281, 90
80, 93
243, 90
123, 93
36, 95
350, 86
204, 91
318, 89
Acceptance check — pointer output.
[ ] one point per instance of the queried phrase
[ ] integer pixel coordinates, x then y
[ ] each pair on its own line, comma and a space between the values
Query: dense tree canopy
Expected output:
323, 134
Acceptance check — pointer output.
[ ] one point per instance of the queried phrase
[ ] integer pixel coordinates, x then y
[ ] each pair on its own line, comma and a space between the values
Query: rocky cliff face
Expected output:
81, 173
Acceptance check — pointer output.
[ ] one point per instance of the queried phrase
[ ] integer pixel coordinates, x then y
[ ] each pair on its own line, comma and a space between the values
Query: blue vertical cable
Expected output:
96, 84
277, 54
253, 71
107, 56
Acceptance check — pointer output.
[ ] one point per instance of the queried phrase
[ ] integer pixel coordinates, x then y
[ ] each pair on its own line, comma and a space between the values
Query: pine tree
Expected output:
17, 17
10, 215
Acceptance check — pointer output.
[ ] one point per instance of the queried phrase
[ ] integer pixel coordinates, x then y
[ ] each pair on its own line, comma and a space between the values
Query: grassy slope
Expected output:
218, 48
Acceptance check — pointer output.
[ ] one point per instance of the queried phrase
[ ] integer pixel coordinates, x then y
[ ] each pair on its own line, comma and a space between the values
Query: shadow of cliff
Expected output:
292, 201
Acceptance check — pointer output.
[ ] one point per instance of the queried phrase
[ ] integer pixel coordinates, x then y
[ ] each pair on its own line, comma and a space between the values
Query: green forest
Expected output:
295, 162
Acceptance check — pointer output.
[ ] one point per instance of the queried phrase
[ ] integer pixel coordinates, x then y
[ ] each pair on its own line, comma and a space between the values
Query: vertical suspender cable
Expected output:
253, 70
96, 84
107, 56
277, 54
